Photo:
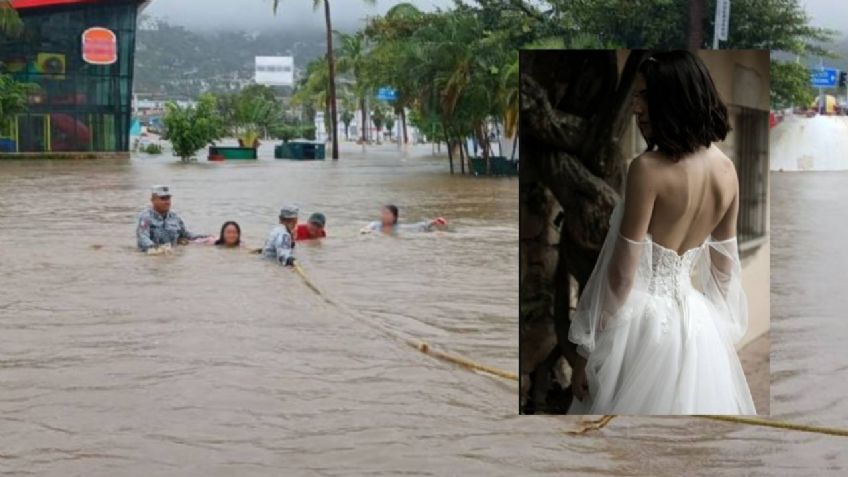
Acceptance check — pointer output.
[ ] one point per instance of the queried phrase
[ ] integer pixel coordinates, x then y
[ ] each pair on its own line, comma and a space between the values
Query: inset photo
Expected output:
644, 232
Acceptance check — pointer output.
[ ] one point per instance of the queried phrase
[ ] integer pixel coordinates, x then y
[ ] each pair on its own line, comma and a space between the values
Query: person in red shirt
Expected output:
312, 229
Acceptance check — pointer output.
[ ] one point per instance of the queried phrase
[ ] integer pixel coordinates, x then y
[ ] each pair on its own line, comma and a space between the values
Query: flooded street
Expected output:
213, 362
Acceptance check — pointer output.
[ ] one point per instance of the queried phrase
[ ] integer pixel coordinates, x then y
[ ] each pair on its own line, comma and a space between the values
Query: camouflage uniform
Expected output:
154, 229
279, 246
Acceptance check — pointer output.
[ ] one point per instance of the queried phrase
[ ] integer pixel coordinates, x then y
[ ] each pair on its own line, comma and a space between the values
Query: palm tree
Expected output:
331, 65
508, 97
352, 59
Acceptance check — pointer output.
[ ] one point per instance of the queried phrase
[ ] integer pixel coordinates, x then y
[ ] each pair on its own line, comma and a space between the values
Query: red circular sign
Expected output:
99, 46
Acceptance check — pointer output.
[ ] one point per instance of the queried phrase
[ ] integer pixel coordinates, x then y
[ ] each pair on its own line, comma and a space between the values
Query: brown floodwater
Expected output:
214, 362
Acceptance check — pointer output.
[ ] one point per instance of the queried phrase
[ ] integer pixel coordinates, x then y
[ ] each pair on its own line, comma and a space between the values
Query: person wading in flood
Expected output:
159, 227
388, 223
280, 245
313, 228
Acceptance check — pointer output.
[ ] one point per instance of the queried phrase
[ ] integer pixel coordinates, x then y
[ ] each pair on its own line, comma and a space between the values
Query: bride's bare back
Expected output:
681, 203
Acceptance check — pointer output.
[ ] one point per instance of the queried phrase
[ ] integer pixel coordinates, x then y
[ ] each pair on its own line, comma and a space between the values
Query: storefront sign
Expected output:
99, 46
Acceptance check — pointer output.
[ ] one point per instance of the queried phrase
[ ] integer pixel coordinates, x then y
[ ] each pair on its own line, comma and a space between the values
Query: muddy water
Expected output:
213, 362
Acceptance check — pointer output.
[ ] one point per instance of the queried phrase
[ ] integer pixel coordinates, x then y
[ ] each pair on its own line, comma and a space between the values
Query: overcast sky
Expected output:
827, 13
256, 14
348, 14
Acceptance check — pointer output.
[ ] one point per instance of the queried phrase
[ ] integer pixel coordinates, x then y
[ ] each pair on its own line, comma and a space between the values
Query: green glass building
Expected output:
78, 54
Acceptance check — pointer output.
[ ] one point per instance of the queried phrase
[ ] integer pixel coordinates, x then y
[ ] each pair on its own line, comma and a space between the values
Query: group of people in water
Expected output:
159, 228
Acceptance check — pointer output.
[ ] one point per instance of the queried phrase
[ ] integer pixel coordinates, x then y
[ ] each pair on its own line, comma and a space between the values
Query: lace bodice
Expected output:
629, 274
672, 272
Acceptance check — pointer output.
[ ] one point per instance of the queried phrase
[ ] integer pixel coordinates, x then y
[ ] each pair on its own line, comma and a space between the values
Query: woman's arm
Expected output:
639, 198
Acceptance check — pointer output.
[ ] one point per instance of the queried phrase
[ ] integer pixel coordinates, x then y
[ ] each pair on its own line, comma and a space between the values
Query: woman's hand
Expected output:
579, 384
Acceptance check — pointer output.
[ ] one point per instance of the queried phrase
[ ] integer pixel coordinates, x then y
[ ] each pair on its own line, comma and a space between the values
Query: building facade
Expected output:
78, 57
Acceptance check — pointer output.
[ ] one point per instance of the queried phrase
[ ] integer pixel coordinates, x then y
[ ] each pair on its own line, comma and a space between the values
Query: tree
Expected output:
790, 85
573, 162
390, 123
312, 91
191, 128
780, 25
377, 117
10, 23
352, 58
347, 118
331, 67
13, 99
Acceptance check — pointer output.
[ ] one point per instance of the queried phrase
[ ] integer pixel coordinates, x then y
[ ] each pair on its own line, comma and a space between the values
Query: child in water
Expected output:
280, 245
388, 223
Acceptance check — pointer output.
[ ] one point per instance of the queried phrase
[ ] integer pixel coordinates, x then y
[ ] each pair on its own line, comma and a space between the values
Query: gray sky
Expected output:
827, 13
256, 14
347, 14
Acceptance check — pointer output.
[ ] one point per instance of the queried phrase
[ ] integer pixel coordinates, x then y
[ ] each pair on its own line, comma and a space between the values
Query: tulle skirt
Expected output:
668, 359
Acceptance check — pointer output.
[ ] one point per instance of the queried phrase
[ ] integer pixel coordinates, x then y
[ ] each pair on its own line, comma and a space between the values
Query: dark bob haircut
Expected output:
684, 108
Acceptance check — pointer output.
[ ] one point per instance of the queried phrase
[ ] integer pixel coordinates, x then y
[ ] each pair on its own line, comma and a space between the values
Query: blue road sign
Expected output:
386, 94
823, 77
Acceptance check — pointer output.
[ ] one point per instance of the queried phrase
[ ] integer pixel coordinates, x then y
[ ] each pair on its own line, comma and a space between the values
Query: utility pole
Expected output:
696, 24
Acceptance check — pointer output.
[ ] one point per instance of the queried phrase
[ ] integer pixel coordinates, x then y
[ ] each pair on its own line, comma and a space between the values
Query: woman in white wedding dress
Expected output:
658, 319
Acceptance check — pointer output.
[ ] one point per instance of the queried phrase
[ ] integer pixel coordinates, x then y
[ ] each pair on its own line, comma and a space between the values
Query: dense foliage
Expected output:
192, 128
790, 85
13, 99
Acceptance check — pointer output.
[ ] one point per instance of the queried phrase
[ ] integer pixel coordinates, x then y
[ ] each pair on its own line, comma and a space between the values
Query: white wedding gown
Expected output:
658, 329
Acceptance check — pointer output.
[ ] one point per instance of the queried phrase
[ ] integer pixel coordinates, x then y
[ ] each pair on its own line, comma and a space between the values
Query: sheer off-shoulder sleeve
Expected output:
719, 276
617, 288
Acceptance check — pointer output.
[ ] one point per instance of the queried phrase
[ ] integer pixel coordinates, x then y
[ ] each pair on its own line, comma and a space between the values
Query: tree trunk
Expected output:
696, 24
450, 152
483, 138
575, 108
461, 156
363, 124
469, 165
403, 122
331, 64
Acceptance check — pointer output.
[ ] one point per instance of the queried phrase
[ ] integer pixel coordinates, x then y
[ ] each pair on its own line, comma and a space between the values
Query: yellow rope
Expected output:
758, 421
585, 425
751, 421
421, 346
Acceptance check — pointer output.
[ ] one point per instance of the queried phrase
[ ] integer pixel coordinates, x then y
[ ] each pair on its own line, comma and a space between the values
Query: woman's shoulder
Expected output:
645, 168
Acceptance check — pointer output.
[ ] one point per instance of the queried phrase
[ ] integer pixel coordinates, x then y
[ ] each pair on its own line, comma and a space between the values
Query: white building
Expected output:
275, 70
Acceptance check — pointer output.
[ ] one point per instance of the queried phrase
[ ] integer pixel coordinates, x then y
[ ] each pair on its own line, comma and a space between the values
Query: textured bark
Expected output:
541, 122
403, 122
363, 124
696, 24
574, 108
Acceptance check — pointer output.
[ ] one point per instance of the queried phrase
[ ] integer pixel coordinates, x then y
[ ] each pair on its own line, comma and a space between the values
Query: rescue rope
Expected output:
585, 426
757, 421
751, 421
420, 345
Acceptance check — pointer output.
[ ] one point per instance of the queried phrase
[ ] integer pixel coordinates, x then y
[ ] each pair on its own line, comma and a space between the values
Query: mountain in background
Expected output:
176, 63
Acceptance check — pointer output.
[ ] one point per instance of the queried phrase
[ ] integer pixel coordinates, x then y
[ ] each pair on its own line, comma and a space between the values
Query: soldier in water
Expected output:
280, 245
158, 226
